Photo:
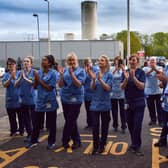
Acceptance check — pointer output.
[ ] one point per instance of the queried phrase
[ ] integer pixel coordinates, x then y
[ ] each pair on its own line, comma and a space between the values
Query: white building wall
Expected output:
60, 49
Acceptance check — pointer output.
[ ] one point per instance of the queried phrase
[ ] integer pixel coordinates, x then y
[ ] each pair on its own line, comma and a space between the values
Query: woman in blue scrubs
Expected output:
100, 104
27, 94
45, 82
133, 84
88, 92
12, 97
71, 82
117, 95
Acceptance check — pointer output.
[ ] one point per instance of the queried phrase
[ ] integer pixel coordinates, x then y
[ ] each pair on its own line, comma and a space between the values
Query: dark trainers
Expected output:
138, 152
31, 145
51, 146
101, 149
94, 152
28, 139
131, 149
160, 144
13, 134
66, 146
76, 145
152, 123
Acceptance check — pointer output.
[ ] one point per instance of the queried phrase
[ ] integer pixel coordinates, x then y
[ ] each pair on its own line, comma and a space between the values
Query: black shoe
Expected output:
115, 129
101, 149
152, 123
131, 149
31, 145
28, 138
160, 144
88, 127
76, 145
13, 134
161, 124
94, 152
51, 146
66, 146
123, 131
138, 152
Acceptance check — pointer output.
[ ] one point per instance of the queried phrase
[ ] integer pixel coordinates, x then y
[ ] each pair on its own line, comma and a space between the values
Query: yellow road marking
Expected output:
153, 134
157, 159
123, 149
89, 149
107, 148
19, 151
8, 159
31, 167
90, 135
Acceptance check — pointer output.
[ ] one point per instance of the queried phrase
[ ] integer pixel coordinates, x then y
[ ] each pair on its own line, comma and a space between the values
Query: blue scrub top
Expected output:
46, 100
101, 98
165, 95
12, 92
152, 82
117, 92
70, 93
131, 91
27, 93
88, 92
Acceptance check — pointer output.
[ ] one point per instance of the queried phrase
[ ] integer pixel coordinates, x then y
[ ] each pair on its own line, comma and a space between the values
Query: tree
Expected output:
134, 39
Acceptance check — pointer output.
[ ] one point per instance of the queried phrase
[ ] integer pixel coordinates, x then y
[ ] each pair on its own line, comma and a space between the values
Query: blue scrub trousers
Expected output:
151, 101
135, 114
70, 131
88, 113
12, 113
28, 113
115, 110
164, 133
51, 117
105, 119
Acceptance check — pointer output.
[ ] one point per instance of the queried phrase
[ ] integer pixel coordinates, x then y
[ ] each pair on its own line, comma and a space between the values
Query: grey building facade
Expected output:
60, 49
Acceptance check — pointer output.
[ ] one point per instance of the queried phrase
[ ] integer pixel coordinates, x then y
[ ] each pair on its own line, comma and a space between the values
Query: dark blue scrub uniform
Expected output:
27, 95
136, 105
46, 102
13, 105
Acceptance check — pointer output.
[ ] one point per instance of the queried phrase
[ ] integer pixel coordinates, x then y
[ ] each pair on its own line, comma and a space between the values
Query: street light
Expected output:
49, 37
128, 30
38, 31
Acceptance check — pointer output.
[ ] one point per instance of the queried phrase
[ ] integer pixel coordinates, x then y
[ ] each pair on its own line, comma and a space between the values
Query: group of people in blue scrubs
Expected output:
30, 94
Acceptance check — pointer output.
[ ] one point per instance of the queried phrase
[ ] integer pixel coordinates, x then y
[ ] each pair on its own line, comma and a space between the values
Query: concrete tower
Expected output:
89, 20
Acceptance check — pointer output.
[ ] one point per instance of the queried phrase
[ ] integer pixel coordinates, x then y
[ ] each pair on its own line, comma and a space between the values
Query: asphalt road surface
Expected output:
13, 153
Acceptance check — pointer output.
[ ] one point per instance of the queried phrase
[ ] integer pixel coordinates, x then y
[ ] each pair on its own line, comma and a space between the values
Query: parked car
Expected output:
2, 71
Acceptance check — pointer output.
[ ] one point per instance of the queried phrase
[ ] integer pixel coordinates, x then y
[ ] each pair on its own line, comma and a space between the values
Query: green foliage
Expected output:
134, 40
155, 44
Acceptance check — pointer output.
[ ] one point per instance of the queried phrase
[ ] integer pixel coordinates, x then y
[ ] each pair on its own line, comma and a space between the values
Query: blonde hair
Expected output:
87, 60
107, 60
31, 58
70, 56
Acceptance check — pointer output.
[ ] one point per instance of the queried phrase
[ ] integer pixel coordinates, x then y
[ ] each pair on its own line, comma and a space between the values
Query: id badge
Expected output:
73, 99
48, 105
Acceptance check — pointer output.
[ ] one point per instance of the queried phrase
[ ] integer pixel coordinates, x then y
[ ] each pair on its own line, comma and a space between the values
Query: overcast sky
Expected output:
17, 22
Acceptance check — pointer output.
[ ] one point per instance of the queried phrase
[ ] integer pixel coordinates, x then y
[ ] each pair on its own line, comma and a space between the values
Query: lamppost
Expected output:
49, 37
38, 31
128, 30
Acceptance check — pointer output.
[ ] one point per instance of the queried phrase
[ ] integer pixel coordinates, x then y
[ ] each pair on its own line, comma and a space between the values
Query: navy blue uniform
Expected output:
136, 105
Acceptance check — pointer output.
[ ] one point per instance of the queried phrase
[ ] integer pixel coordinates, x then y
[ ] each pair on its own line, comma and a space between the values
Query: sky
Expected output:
17, 22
